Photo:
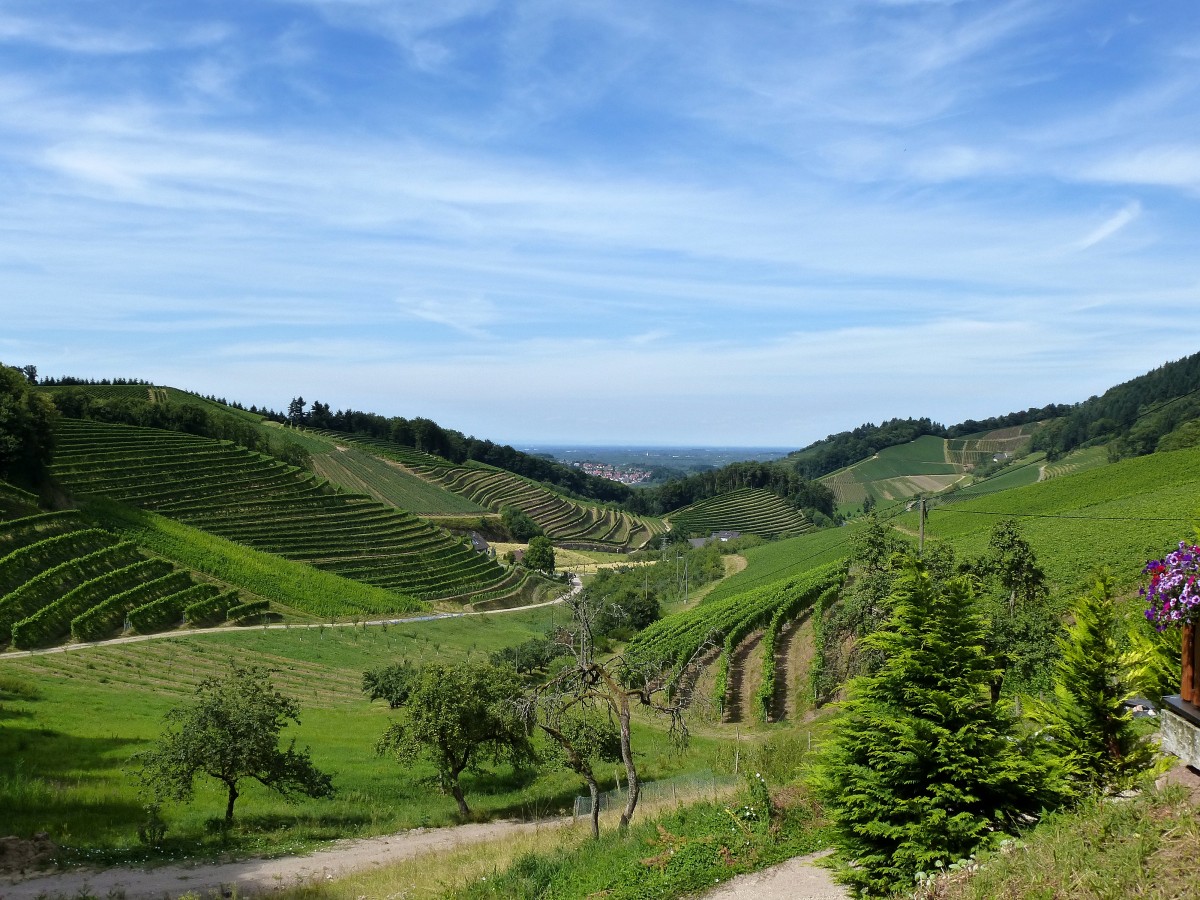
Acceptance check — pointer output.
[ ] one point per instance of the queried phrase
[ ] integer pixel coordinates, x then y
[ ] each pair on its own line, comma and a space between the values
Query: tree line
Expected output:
1133, 417
778, 478
427, 436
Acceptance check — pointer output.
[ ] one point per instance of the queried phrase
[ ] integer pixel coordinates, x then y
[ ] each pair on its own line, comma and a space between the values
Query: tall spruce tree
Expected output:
923, 767
1092, 729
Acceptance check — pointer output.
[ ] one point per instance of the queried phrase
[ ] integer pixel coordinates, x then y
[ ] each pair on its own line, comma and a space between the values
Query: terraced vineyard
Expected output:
728, 620
975, 449
566, 521
16, 502
363, 472
1076, 461
748, 510
59, 577
260, 502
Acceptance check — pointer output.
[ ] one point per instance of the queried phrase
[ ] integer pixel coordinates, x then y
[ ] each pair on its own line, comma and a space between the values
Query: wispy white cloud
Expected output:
760, 202
1110, 226
71, 36
1174, 166
469, 315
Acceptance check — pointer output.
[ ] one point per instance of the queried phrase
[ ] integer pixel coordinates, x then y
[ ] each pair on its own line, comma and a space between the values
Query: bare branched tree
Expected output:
596, 690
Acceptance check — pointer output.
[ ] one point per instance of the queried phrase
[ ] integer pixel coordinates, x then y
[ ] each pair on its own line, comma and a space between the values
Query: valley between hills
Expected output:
336, 550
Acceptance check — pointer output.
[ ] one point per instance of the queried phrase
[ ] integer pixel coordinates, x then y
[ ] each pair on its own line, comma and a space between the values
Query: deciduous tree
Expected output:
615, 686
457, 716
540, 554
26, 427
230, 732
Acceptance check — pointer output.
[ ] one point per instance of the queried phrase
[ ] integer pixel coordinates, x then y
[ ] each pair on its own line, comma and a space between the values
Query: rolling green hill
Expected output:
475, 487
260, 502
566, 521
896, 473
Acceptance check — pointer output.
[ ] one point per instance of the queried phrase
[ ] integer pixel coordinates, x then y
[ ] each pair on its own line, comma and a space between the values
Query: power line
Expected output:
1016, 515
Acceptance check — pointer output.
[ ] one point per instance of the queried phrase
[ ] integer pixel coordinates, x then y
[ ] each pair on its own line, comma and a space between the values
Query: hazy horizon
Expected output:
731, 224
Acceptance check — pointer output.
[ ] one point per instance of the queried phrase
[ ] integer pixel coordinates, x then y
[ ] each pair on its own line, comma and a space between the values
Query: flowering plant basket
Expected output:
1173, 599
1173, 594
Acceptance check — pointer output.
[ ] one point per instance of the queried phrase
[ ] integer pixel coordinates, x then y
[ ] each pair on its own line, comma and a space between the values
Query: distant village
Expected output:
623, 474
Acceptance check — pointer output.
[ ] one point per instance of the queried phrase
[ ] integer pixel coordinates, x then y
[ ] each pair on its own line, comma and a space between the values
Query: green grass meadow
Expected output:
70, 723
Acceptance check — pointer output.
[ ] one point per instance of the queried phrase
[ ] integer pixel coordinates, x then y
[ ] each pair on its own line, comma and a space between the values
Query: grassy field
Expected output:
1117, 516
71, 722
1112, 848
581, 562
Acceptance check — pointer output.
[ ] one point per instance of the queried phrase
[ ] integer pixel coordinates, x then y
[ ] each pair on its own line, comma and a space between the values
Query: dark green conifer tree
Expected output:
1092, 729
923, 767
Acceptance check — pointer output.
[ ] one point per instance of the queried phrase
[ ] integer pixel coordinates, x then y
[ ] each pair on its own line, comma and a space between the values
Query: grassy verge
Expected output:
672, 851
1144, 847
679, 853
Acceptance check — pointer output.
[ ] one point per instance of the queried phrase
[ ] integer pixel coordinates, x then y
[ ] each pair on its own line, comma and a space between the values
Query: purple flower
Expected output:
1172, 595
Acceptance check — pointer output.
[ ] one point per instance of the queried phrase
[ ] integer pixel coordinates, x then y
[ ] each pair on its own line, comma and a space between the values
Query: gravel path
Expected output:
797, 879
576, 587
260, 876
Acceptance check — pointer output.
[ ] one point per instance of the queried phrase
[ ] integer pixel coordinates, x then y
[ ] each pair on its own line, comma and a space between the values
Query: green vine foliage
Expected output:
923, 768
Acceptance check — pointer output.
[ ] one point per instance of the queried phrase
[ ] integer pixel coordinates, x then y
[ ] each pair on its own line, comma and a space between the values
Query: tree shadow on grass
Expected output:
505, 781
543, 805
41, 788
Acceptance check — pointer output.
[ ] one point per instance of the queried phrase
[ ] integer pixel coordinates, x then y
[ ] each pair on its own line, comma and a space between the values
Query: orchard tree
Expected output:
614, 687
230, 732
457, 716
540, 554
922, 767
1022, 628
585, 736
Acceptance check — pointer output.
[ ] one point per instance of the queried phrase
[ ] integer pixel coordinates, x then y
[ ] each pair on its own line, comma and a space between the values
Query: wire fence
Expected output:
704, 785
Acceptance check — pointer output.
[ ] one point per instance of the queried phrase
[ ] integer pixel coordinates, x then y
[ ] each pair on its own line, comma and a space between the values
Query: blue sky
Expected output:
710, 223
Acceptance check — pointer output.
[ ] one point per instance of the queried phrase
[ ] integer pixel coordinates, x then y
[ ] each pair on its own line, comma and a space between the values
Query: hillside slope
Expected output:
256, 500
